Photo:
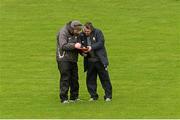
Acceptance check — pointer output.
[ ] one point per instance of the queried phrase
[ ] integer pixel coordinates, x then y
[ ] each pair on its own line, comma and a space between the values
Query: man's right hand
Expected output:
78, 45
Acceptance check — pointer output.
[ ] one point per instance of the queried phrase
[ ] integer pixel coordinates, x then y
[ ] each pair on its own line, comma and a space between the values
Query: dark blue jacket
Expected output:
98, 47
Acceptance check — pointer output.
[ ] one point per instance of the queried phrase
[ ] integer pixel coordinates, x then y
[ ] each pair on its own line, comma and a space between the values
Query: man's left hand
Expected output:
89, 48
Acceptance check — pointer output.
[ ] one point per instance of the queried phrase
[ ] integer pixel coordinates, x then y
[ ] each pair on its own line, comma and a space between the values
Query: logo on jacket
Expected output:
94, 39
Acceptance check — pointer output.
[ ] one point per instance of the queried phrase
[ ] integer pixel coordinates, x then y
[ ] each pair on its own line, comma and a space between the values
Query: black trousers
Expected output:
94, 69
69, 79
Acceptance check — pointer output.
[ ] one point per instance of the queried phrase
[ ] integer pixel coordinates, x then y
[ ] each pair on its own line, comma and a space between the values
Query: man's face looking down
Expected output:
87, 31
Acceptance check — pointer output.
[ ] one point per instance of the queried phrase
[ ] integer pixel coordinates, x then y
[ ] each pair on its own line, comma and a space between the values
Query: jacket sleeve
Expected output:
63, 42
99, 41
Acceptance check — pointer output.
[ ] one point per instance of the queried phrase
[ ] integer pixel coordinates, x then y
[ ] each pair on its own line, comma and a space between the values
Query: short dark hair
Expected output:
89, 25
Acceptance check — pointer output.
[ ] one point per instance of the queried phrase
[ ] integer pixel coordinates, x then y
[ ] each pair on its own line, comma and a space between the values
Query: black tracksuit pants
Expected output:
69, 79
94, 69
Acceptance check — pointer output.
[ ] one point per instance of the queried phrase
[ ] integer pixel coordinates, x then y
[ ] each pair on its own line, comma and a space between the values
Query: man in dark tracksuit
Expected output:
67, 57
96, 61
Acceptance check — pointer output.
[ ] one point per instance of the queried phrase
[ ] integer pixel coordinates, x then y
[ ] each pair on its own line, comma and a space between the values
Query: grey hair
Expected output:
75, 23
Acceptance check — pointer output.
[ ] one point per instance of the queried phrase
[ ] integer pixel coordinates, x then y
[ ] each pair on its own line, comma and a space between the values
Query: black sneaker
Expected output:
75, 100
92, 99
65, 102
108, 99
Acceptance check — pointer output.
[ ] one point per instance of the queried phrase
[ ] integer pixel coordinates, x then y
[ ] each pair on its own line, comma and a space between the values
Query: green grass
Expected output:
143, 43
